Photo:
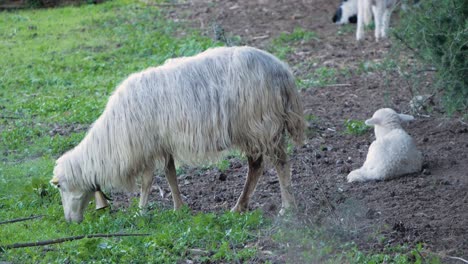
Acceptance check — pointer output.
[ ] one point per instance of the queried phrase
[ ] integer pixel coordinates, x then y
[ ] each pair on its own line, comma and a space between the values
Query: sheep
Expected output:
189, 109
382, 10
393, 153
346, 12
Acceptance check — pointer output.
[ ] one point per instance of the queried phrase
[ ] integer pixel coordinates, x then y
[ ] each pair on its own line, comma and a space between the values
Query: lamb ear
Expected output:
406, 118
373, 121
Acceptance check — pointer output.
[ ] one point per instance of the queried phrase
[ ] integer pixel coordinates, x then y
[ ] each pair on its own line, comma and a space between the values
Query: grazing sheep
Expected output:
393, 153
188, 109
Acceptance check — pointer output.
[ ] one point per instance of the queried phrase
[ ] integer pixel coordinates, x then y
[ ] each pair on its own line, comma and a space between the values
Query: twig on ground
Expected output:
338, 85
64, 239
20, 219
167, 4
457, 258
9, 117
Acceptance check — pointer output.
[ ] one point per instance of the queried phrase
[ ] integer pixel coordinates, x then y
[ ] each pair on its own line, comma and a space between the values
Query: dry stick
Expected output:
338, 85
168, 4
20, 219
64, 239
457, 258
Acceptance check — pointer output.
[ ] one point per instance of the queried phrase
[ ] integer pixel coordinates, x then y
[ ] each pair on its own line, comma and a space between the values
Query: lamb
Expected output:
382, 10
393, 153
189, 109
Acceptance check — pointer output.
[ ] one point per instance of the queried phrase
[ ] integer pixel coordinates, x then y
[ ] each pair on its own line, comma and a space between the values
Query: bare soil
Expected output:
430, 207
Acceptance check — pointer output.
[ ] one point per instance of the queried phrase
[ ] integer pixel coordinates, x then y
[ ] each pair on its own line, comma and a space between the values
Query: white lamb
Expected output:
393, 153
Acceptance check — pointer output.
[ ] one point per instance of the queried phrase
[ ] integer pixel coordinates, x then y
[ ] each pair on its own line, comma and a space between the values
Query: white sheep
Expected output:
188, 109
346, 12
393, 153
360, 12
382, 10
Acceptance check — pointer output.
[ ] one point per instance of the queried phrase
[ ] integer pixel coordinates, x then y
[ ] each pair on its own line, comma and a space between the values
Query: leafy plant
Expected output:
436, 32
356, 127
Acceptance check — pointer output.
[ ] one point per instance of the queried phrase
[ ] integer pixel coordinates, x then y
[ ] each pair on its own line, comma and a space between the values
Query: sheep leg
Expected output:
284, 175
171, 177
378, 10
386, 21
255, 171
362, 17
146, 183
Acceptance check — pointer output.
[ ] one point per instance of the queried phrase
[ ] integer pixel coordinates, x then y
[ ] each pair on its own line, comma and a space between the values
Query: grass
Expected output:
281, 45
58, 68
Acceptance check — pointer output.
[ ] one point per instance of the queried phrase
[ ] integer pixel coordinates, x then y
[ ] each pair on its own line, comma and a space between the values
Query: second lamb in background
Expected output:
393, 153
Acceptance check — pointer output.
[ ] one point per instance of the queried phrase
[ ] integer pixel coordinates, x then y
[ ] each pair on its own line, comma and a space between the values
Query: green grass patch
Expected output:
281, 45
59, 66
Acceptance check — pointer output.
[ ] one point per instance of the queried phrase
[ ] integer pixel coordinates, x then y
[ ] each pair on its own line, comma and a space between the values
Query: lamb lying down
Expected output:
393, 153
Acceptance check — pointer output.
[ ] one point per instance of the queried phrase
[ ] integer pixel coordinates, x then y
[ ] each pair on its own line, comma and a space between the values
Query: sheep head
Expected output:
385, 120
74, 200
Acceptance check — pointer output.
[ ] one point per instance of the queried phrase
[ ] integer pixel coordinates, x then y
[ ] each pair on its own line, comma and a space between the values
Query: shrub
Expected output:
437, 32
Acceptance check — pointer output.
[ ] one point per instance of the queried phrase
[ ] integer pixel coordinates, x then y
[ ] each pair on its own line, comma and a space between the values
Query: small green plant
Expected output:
356, 127
223, 165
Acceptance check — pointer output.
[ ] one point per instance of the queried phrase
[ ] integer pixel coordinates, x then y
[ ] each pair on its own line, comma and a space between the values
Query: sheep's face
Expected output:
74, 201
346, 13
385, 120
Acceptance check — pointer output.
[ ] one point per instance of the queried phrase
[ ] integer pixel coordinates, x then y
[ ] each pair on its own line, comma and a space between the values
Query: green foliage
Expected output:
63, 73
313, 244
223, 165
199, 237
281, 45
437, 32
320, 77
356, 127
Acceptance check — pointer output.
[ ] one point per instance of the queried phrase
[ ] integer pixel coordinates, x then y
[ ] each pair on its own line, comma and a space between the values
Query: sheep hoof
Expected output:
353, 176
287, 211
238, 209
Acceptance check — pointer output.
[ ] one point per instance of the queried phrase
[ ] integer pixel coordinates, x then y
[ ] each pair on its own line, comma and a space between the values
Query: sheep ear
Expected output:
406, 118
373, 121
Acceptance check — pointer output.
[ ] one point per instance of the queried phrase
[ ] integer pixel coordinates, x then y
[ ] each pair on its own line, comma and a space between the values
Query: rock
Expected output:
420, 102
222, 177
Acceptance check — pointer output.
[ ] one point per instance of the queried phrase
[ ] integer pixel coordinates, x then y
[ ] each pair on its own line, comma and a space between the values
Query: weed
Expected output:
356, 127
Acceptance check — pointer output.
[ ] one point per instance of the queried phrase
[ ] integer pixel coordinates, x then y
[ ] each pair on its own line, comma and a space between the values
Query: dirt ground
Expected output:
430, 207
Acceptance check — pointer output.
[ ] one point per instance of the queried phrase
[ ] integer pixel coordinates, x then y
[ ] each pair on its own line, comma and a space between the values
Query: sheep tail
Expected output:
295, 123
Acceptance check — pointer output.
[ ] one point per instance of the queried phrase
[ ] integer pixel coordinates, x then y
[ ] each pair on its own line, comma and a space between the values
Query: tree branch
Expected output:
20, 219
64, 239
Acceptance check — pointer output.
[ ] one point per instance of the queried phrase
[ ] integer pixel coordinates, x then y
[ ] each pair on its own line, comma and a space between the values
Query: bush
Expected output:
437, 32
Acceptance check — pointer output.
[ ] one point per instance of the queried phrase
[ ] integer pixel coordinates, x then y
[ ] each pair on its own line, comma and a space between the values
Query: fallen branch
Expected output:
64, 239
457, 258
20, 219
338, 85
168, 4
